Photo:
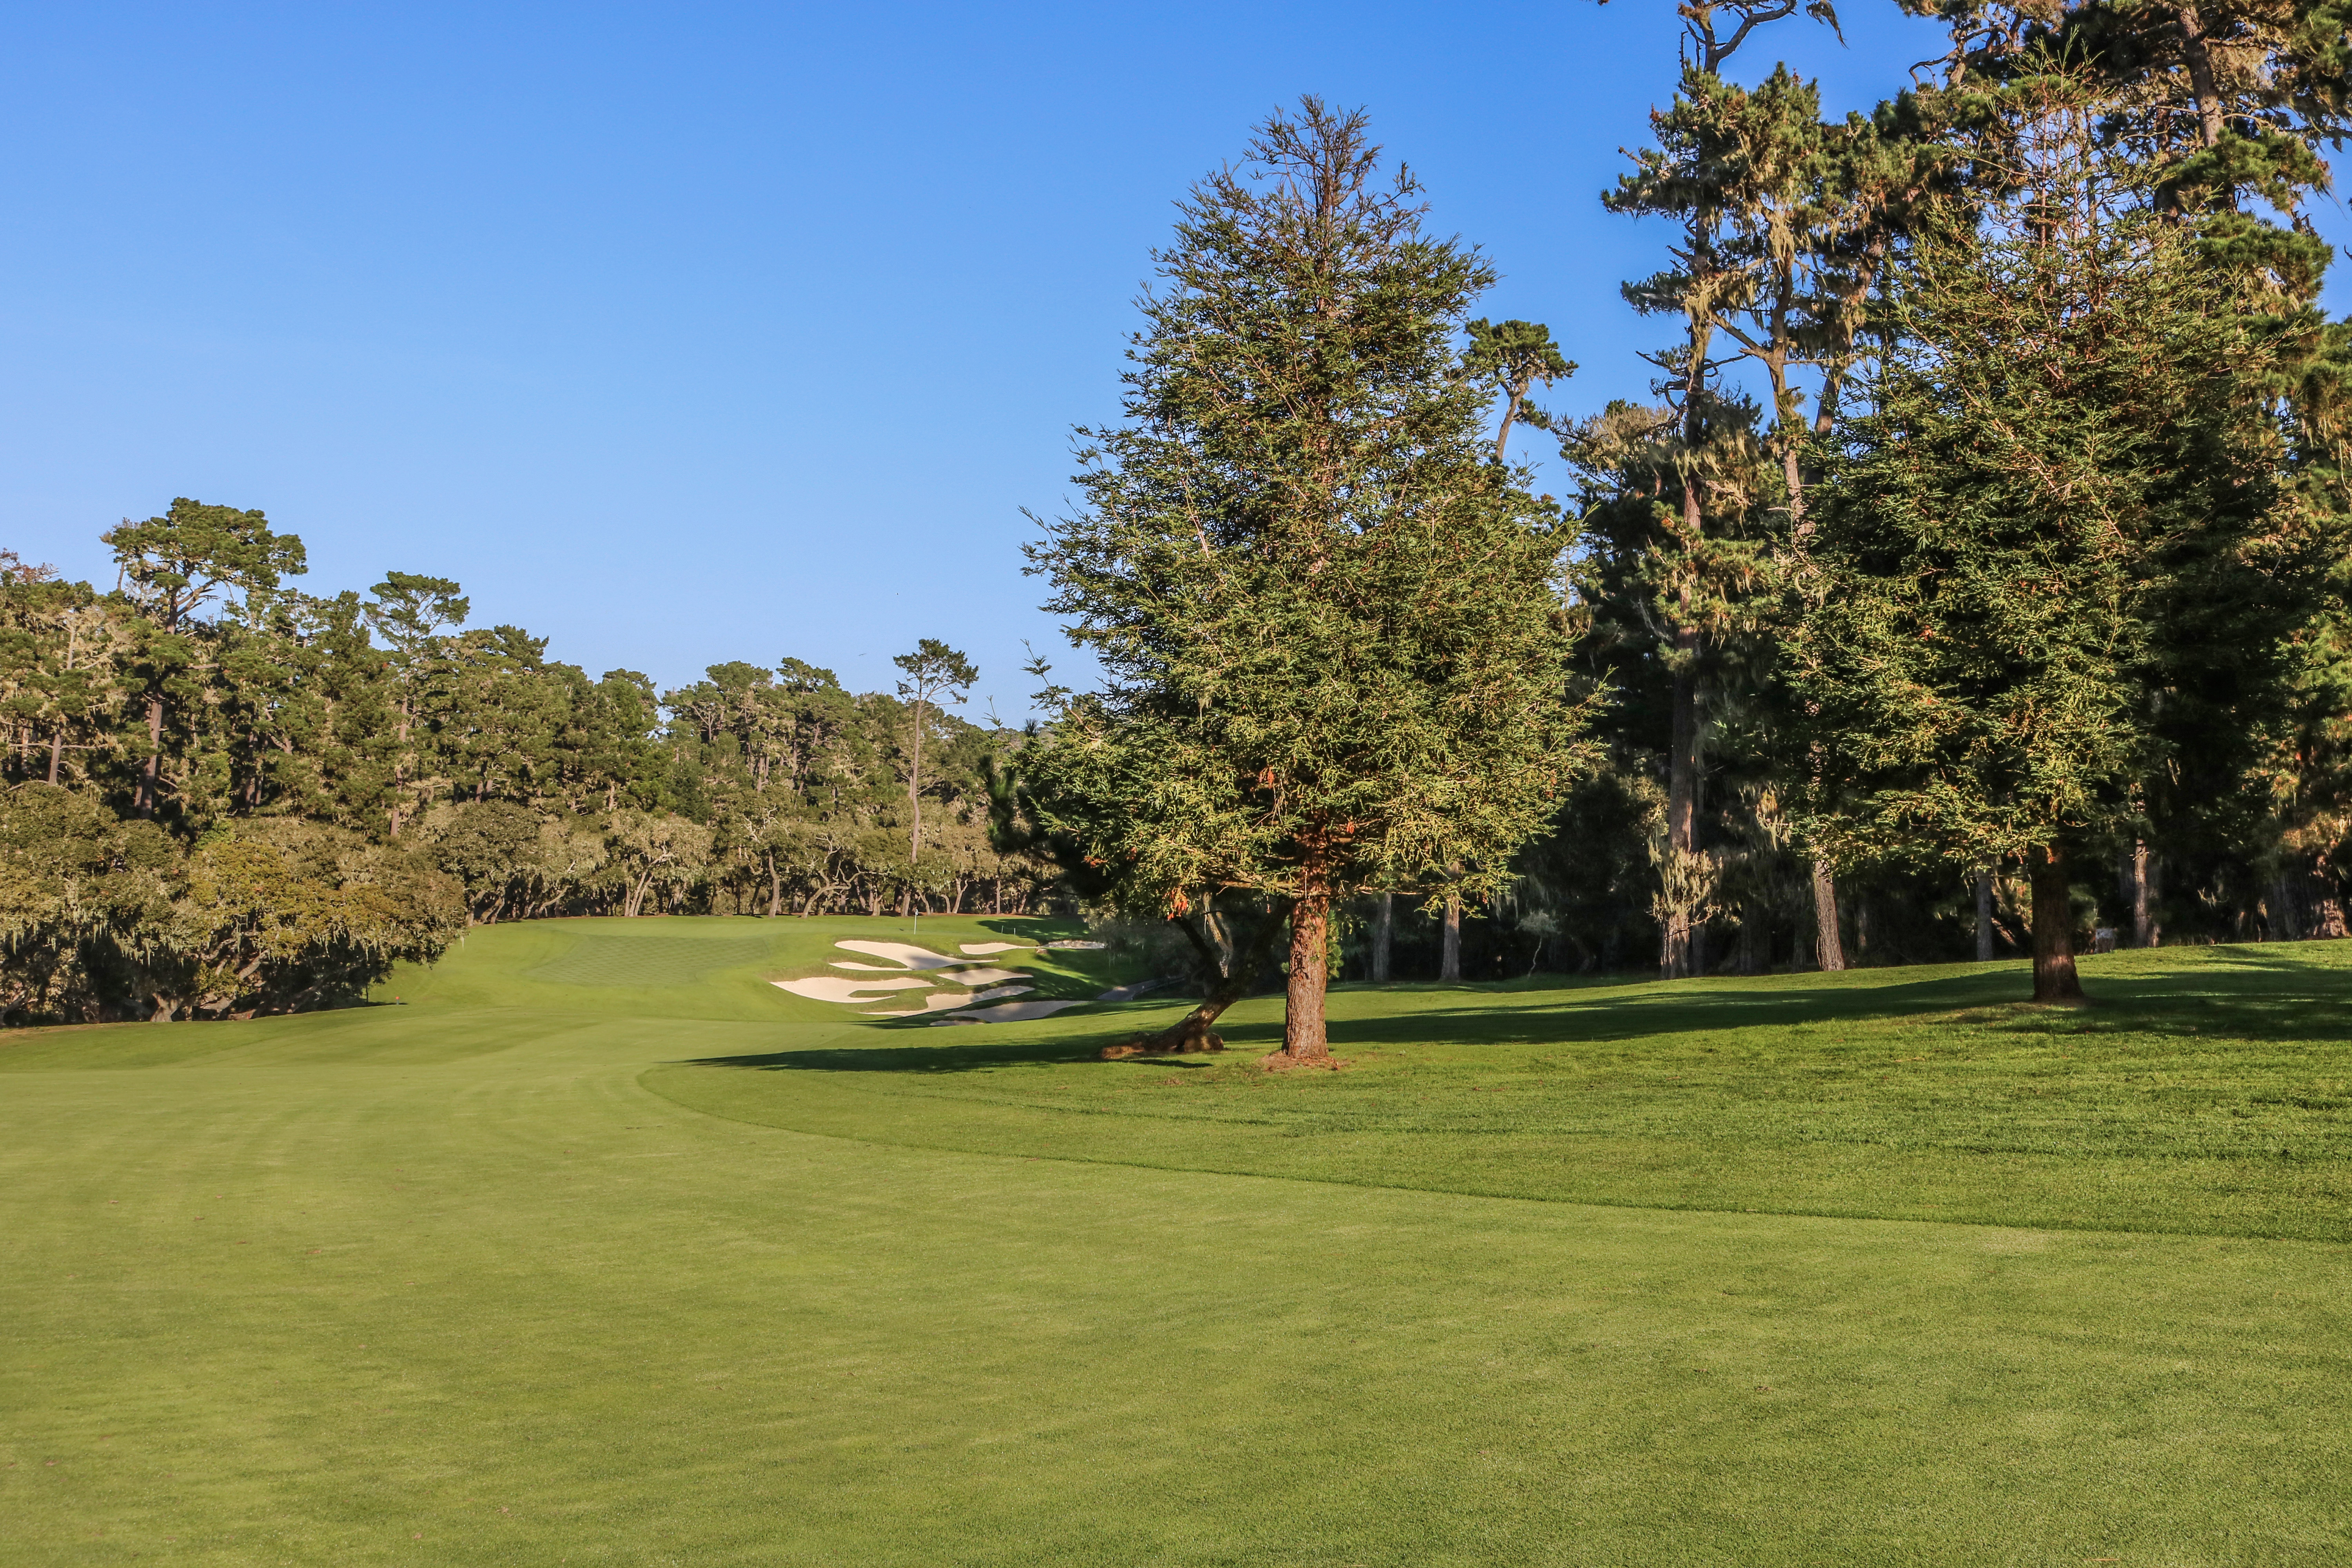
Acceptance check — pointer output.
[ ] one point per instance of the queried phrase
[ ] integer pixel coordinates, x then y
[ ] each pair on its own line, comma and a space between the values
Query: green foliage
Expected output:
1513, 358
85, 901
333, 781
1328, 626
2056, 570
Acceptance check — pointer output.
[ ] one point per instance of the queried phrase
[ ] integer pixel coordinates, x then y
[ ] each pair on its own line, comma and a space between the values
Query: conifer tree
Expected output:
1328, 625
2222, 108
2066, 492
174, 565
1727, 164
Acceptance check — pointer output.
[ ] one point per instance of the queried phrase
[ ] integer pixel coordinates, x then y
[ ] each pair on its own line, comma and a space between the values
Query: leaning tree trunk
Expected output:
1195, 1030
2054, 979
1237, 974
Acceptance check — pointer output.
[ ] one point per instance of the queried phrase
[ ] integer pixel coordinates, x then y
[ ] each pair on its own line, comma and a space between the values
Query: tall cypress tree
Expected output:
1328, 623
1727, 162
2067, 490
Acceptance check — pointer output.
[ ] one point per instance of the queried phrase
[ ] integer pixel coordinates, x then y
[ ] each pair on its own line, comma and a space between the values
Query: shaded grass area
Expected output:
2210, 1091
448, 1284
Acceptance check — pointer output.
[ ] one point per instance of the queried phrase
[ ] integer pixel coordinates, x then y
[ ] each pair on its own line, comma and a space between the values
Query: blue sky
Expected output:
686, 333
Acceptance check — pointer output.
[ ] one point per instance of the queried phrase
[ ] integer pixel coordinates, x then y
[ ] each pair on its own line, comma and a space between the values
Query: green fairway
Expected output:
599, 1249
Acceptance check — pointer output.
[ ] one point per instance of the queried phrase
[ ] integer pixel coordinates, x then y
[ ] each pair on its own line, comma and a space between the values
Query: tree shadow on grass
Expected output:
2267, 994
975, 1057
2252, 992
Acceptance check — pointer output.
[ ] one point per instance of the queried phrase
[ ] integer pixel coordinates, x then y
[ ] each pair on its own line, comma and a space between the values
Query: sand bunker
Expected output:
909, 967
939, 1001
904, 955
834, 988
986, 976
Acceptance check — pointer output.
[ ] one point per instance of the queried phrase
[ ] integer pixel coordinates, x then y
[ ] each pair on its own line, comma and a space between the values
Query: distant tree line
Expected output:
225, 795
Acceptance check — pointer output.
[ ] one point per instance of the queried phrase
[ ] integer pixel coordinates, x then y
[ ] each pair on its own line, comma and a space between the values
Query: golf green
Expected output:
598, 1248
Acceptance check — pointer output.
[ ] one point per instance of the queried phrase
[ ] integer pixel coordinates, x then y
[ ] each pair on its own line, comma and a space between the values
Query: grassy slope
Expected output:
2210, 1093
451, 1283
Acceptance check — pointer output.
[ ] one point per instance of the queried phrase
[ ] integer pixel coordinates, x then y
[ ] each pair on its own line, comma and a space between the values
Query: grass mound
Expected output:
450, 1283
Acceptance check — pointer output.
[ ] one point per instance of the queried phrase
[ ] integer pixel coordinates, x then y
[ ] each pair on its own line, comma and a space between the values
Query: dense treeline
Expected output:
1977, 580
226, 795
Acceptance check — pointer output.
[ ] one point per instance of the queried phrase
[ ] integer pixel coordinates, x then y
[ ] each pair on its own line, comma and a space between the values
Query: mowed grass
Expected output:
2210, 1092
601, 1250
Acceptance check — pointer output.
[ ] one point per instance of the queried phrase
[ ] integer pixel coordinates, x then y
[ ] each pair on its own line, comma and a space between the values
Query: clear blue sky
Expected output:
685, 333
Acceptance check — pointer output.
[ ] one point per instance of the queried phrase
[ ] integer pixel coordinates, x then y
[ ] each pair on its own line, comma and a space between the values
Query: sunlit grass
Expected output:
500, 1276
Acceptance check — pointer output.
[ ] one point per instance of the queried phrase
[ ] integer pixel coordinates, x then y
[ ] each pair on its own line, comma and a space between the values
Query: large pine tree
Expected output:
1328, 623
2066, 496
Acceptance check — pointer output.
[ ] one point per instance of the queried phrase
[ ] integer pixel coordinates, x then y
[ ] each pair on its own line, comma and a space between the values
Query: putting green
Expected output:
499, 1276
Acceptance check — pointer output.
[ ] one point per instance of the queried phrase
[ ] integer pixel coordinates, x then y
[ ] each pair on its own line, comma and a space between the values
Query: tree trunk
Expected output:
151, 776
2143, 904
2284, 923
1195, 1031
915, 790
1826, 940
1383, 939
775, 887
2054, 979
56, 751
1984, 916
1681, 805
1449, 951
1304, 1039
1236, 968
2200, 76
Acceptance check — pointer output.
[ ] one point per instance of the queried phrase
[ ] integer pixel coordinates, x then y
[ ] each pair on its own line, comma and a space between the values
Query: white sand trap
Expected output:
982, 976
834, 988
901, 953
1014, 1012
940, 1001
907, 967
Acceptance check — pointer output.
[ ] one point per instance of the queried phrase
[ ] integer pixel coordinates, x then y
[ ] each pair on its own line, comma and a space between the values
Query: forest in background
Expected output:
224, 794
1838, 686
